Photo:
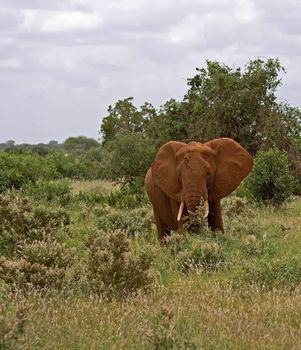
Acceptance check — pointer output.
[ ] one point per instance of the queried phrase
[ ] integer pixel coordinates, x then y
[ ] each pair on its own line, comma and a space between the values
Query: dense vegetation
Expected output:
80, 266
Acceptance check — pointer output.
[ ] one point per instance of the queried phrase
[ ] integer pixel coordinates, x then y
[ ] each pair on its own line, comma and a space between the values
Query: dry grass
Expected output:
93, 185
216, 310
196, 315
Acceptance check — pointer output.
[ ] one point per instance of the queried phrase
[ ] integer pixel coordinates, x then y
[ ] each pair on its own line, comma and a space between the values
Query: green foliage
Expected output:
127, 197
124, 117
80, 144
113, 270
242, 104
131, 155
18, 169
220, 102
49, 191
270, 181
76, 166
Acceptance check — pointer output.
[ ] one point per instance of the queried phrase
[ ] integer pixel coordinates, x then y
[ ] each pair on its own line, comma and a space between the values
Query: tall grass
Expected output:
120, 289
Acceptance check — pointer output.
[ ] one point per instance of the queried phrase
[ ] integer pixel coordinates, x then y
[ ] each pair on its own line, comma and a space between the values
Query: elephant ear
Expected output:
164, 169
233, 164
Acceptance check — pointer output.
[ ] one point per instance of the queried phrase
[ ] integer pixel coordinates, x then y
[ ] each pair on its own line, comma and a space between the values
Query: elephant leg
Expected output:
215, 219
162, 230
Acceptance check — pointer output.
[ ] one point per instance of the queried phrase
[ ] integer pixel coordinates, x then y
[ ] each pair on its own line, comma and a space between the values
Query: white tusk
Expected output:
180, 211
206, 209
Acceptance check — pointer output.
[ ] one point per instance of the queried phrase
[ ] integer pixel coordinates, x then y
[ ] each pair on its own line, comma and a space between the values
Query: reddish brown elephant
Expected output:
182, 174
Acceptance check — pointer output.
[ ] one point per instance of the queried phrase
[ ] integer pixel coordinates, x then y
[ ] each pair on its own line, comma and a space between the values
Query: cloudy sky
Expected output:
63, 62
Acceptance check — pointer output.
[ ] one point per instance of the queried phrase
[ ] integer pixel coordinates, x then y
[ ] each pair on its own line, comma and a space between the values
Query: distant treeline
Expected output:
80, 144
75, 158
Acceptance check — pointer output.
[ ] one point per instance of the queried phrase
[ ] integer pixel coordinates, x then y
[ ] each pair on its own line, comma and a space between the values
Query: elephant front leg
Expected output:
162, 230
215, 219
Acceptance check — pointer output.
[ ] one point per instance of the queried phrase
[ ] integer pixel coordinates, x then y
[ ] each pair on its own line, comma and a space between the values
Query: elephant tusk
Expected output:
180, 211
206, 209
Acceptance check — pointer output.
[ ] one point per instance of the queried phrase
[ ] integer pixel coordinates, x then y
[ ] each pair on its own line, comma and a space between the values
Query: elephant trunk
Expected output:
193, 200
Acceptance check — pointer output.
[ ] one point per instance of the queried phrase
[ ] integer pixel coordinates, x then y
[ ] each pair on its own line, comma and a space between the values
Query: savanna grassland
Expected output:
80, 264
109, 285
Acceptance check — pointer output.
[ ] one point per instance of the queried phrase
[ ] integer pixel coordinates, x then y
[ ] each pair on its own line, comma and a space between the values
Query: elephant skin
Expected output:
186, 173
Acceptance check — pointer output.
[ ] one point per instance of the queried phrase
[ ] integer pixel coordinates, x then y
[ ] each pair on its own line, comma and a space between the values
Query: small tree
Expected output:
270, 181
130, 156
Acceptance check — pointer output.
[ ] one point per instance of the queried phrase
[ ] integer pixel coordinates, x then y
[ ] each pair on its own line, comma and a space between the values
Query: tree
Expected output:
130, 155
270, 181
79, 144
242, 105
124, 117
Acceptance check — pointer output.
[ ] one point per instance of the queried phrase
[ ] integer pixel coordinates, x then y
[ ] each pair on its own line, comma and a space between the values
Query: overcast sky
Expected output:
62, 63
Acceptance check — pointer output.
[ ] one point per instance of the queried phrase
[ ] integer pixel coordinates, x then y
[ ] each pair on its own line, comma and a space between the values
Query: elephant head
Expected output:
190, 172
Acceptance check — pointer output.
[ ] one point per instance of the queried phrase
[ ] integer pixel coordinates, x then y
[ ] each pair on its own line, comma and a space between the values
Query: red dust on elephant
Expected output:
184, 174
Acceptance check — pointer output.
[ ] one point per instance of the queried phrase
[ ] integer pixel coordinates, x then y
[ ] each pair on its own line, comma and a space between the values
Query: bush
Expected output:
47, 191
21, 223
270, 181
236, 206
278, 273
131, 154
42, 265
132, 222
113, 270
19, 169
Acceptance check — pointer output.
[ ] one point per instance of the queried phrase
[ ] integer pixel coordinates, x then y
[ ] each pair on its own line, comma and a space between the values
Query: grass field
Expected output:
242, 292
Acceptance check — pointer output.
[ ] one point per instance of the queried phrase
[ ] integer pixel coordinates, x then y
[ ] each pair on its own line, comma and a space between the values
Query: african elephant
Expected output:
181, 174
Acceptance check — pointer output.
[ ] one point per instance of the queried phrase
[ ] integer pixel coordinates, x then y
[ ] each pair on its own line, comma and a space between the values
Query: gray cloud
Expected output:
63, 62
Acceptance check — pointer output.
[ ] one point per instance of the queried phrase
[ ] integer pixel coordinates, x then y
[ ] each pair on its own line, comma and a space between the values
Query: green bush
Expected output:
131, 154
127, 197
270, 181
16, 169
47, 191
113, 270
124, 198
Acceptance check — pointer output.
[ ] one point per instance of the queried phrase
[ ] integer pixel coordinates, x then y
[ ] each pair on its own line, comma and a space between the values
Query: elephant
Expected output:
183, 174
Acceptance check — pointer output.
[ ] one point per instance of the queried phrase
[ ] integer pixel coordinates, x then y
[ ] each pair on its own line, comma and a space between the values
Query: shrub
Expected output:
131, 155
132, 222
196, 222
277, 273
127, 197
112, 268
235, 206
124, 198
21, 222
47, 191
42, 265
270, 181
202, 256
18, 169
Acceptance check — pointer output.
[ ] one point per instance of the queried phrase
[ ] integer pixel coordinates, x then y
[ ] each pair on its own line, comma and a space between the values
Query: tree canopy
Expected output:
220, 102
